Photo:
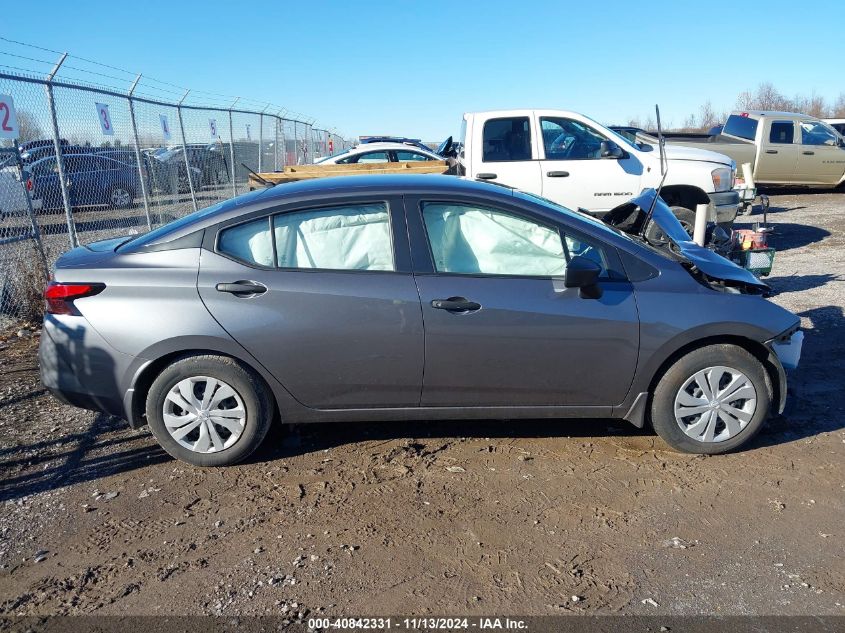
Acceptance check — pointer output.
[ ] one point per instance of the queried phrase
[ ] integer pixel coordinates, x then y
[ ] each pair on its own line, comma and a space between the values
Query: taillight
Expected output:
60, 296
29, 185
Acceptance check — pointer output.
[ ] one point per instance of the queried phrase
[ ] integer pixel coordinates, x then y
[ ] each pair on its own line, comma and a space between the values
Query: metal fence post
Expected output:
36, 232
261, 139
281, 123
232, 147
138, 155
57, 144
185, 154
276, 144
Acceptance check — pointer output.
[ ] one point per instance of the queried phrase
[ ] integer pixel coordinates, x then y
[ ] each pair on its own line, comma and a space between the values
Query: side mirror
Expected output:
583, 273
609, 149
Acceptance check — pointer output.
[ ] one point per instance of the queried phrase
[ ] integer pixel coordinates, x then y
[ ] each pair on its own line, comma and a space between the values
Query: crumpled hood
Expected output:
680, 152
629, 217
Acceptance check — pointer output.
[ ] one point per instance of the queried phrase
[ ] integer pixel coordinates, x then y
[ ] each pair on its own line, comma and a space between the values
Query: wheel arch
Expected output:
136, 396
777, 385
688, 196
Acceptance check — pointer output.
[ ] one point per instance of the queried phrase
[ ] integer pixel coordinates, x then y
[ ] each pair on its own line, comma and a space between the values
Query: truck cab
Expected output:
783, 148
579, 163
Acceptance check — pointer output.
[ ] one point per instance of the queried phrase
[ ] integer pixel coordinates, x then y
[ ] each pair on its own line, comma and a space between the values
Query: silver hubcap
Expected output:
120, 197
203, 414
715, 404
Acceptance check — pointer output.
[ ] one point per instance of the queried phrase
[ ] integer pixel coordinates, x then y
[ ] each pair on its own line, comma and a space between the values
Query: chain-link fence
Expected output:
91, 162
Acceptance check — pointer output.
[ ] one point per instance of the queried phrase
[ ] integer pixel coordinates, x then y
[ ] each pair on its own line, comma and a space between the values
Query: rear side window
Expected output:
781, 132
250, 242
506, 140
741, 126
353, 237
342, 238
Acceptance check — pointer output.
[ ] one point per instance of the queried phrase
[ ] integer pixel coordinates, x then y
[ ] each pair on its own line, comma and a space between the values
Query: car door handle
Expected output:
242, 288
557, 174
455, 304
771, 151
486, 176
808, 153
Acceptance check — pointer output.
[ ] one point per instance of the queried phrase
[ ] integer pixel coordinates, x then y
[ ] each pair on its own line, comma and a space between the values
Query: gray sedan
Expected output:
378, 298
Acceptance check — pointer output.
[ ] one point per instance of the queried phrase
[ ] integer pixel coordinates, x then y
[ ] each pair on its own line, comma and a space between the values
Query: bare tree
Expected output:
30, 130
837, 111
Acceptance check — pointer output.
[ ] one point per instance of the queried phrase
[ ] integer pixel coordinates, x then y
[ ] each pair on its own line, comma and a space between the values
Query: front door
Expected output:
323, 301
500, 327
574, 172
508, 154
822, 159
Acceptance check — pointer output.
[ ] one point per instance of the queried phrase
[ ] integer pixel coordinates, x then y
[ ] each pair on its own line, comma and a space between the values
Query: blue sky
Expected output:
412, 68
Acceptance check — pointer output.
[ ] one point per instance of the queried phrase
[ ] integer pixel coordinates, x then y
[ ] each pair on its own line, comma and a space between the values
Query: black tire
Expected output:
663, 400
686, 217
655, 235
254, 394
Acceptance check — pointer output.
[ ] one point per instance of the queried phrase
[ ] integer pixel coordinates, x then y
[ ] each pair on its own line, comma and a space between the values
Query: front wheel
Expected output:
712, 400
209, 410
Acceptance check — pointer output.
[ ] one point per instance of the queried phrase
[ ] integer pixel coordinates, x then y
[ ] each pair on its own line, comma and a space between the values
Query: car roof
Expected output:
312, 189
386, 145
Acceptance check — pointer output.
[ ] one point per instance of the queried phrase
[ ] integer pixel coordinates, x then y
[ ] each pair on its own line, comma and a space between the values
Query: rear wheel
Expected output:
712, 400
209, 410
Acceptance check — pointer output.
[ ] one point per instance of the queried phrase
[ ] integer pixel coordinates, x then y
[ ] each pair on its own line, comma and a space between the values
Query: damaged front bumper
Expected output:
784, 353
788, 348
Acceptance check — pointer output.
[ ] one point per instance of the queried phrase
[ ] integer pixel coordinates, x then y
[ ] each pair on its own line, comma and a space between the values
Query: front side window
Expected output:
816, 133
506, 140
781, 132
473, 240
566, 139
355, 237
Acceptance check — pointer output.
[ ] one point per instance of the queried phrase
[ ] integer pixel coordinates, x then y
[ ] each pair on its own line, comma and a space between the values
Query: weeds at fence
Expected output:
23, 286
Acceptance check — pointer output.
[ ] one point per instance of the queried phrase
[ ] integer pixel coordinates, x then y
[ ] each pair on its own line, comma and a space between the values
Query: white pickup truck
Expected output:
579, 163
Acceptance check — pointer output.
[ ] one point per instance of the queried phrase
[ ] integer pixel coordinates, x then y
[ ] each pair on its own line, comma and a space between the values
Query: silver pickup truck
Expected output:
783, 148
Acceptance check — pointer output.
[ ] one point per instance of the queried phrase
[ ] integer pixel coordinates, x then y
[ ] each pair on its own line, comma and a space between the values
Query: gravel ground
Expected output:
529, 518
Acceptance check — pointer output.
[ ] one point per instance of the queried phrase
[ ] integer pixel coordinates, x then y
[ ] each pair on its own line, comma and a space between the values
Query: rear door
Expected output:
574, 172
522, 338
822, 159
507, 153
324, 299
778, 160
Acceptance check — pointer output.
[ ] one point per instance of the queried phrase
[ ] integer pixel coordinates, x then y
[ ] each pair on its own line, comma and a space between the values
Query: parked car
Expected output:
428, 298
208, 167
784, 148
13, 192
574, 161
404, 140
38, 152
91, 180
837, 124
380, 153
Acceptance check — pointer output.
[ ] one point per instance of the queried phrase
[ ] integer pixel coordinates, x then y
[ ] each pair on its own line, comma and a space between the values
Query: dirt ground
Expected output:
528, 518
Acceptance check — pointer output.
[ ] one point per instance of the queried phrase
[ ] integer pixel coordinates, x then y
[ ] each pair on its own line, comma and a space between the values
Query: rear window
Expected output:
741, 126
